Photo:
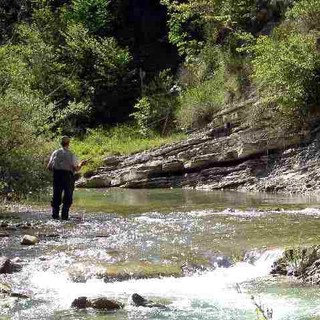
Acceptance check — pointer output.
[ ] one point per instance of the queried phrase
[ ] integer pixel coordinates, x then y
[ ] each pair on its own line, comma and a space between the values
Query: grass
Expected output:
121, 140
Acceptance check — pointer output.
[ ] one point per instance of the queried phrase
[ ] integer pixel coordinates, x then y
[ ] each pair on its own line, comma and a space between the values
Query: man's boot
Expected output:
55, 213
65, 214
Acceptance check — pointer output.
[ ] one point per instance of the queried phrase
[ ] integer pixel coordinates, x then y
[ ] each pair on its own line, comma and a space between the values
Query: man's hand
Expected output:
83, 162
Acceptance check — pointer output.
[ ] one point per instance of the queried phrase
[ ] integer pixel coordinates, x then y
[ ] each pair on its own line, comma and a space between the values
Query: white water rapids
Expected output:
212, 295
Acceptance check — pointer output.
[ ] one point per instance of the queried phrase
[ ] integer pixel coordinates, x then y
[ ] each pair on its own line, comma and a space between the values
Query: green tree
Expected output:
93, 14
286, 65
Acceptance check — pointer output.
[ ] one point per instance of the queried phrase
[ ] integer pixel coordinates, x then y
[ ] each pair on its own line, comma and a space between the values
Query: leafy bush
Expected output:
22, 152
154, 112
211, 81
92, 13
194, 23
306, 15
198, 104
286, 67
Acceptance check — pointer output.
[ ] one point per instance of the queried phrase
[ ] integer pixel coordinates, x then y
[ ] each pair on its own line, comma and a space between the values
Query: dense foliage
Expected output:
69, 66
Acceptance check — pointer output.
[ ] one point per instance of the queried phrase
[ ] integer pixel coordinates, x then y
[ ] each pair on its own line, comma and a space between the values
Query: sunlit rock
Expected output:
201, 161
29, 240
237, 159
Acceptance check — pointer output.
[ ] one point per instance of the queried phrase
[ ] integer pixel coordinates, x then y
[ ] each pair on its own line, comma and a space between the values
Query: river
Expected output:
203, 254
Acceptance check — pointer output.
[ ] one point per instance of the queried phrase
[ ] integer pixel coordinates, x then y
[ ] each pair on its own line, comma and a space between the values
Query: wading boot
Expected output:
55, 213
65, 214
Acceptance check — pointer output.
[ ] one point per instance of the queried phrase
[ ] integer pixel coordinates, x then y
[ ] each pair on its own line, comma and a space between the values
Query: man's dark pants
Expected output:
63, 182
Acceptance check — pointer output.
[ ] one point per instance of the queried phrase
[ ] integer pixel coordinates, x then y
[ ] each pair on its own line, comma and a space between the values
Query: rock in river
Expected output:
96, 303
8, 266
5, 265
29, 240
140, 301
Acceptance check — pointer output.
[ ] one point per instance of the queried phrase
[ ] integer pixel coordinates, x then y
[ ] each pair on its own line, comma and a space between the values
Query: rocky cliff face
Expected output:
219, 158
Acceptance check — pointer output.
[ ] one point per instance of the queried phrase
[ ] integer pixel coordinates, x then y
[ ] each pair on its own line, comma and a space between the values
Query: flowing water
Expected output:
214, 251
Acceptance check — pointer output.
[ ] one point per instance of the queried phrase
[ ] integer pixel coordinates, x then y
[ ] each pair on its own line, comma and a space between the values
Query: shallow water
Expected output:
173, 228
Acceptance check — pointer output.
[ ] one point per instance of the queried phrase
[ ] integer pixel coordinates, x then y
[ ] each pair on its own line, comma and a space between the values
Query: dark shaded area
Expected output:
140, 26
11, 12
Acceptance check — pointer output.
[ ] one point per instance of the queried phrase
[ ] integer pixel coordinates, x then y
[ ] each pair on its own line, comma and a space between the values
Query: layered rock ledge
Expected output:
226, 157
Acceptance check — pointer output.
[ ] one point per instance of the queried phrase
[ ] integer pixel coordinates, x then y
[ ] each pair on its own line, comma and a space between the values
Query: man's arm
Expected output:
79, 165
76, 164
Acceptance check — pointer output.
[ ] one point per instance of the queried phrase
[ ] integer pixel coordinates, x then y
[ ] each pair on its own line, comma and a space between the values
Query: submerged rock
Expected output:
29, 240
96, 303
121, 271
21, 295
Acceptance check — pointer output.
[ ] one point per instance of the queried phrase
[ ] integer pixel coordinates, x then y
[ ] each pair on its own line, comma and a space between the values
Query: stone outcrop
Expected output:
225, 155
96, 303
238, 159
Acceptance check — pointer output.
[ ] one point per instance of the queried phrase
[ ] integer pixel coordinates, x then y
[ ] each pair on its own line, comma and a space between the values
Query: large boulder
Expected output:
29, 240
9, 266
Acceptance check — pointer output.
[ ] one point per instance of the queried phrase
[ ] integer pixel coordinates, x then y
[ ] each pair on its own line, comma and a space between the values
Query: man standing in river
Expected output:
64, 164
